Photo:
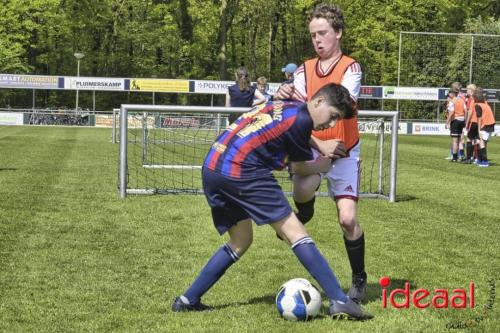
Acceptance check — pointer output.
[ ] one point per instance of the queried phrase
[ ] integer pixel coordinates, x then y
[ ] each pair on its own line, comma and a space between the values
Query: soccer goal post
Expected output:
162, 149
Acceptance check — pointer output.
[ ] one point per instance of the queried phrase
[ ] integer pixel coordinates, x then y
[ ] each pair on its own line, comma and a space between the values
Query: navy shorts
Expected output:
232, 200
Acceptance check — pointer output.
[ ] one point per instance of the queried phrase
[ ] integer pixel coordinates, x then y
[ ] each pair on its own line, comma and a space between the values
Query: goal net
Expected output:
437, 59
429, 59
162, 149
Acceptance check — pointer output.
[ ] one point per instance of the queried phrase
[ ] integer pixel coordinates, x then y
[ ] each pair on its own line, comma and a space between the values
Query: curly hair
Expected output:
332, 13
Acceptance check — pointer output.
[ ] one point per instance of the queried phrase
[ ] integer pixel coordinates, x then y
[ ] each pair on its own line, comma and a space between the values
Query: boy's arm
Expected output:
479, 113
306, 168
330, 148
451, 116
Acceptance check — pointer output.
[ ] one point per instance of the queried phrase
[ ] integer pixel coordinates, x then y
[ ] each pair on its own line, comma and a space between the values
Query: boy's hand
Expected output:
333, 149
285, 91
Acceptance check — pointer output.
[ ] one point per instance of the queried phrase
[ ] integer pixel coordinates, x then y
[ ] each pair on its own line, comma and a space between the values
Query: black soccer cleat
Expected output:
180, 306
347, 311
357, 291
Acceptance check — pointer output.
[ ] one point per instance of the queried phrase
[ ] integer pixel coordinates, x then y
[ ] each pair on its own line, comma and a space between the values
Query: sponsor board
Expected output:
93, 83
158, 85
179, 122
135, 122
29, 81
11, 118
370, 92
429, 129
211, 87
220, 87
411, 93
374, 127
104, 121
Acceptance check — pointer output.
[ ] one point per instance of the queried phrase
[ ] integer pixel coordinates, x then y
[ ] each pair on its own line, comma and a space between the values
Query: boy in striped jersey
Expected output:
240, 187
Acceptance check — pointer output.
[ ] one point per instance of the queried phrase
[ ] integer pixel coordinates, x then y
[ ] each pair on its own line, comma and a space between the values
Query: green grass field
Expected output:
74, 257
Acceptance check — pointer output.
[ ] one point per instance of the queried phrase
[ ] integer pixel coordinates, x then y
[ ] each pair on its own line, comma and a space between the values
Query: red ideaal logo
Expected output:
420, 299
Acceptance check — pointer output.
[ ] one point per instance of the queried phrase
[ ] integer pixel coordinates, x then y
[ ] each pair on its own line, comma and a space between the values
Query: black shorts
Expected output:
473, 133
457, 127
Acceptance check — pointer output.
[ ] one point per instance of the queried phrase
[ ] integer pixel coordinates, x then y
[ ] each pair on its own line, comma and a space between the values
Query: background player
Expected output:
455, 121
485, 123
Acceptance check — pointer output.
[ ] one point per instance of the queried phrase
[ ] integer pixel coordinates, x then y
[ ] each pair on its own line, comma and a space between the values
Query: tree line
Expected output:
208, 39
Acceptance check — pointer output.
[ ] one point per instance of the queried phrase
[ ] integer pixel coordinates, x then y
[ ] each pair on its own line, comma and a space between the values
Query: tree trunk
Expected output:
227, 11
273, 29
253, 56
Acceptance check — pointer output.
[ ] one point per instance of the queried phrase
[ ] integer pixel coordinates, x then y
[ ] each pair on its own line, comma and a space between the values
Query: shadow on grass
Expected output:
405, 197
374, 290
373, 293
8, 169
267, 299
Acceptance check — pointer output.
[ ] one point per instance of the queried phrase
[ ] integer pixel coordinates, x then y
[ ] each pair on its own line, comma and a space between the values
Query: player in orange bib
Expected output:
471, 125
457, 86
341, 143
455, 121
485, 123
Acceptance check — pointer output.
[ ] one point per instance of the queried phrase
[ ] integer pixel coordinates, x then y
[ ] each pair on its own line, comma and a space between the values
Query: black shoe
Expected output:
180, 306
350, 311
357, 291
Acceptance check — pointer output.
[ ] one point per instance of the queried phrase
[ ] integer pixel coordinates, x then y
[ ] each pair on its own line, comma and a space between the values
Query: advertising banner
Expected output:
179, 122
104, 121
374, 127
492, 95
220, 87
136, 122
93, 83
411, 93
29, 81
429, 129
11, 118
211, 87
370, 92
159, 85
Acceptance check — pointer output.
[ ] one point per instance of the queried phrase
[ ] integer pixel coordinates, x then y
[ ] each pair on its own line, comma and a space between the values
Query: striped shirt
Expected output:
261, 140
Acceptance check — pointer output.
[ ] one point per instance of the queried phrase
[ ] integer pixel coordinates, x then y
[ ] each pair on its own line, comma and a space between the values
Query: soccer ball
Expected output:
298, 299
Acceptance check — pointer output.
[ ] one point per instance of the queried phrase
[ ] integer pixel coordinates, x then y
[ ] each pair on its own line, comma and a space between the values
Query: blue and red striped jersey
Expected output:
261, 140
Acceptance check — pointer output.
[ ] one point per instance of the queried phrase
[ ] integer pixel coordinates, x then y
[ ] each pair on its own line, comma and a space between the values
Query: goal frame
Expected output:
123, 120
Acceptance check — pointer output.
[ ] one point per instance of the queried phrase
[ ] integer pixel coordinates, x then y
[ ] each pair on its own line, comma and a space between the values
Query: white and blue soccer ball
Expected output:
298, 300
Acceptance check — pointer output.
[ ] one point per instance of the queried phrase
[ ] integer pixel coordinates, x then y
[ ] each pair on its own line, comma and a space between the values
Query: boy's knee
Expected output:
240, 246
348, 223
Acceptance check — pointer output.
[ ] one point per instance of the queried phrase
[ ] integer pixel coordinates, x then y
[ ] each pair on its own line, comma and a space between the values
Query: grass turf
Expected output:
76, 258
